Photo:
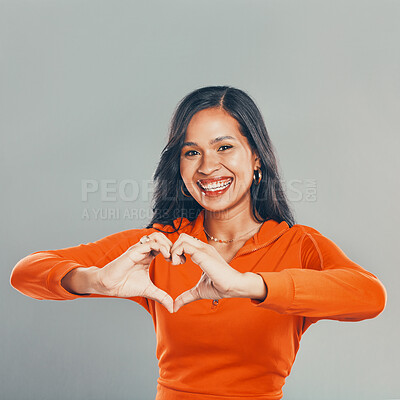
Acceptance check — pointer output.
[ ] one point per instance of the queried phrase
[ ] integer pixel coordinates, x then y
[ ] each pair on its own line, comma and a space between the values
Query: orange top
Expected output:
234, 348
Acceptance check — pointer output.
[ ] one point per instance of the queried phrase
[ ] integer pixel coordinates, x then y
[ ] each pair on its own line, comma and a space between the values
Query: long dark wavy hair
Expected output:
268, 198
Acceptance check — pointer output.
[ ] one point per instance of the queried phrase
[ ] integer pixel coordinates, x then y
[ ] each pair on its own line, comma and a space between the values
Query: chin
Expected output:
216, 206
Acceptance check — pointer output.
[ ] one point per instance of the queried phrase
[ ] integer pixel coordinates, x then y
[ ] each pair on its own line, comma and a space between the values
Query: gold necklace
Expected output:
227, 241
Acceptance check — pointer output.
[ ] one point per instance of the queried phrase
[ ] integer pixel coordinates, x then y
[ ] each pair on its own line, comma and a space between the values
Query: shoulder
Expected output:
305, 229
303, 234
311, 239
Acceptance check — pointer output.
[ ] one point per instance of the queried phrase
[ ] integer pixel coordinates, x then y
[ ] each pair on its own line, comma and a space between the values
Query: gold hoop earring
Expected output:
257, 176
183, 191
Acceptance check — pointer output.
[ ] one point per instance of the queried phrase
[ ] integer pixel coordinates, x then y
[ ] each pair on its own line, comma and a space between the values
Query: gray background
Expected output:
87, 92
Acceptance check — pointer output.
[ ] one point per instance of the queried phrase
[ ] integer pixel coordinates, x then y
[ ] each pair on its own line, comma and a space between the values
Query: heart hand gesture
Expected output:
128, 275
218, 279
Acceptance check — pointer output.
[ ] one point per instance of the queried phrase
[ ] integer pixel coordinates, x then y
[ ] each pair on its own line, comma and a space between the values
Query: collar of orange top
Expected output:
270, 231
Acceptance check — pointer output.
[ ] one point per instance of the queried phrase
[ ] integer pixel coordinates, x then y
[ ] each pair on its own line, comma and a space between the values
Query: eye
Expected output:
225, 147
191, 153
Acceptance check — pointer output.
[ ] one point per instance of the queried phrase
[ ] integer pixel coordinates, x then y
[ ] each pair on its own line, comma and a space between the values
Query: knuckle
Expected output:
159, 237
150, 242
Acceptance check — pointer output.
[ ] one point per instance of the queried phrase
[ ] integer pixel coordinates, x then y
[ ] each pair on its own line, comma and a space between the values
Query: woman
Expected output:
229, 320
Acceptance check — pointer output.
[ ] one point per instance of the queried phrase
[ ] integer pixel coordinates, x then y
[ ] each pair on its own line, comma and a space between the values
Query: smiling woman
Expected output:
229, 323
218, 164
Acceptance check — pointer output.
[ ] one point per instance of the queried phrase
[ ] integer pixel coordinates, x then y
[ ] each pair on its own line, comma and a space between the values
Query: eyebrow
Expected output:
216, 140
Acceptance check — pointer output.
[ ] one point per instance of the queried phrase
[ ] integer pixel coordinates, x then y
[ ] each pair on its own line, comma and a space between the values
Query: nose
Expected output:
209, 163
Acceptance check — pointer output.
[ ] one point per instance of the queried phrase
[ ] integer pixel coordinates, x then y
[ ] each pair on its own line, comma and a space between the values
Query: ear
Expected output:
257, 162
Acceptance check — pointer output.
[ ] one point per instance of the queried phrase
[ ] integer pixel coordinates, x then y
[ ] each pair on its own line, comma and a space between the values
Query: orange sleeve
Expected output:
39, 274
329, 285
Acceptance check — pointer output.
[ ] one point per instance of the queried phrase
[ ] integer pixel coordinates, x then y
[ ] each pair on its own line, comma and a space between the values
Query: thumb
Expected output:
161, 297
185, 298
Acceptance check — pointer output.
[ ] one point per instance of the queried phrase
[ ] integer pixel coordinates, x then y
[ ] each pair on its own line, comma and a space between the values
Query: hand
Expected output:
128, 275
218, 279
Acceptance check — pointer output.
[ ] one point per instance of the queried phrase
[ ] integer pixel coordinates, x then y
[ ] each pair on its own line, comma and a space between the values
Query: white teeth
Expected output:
212, 187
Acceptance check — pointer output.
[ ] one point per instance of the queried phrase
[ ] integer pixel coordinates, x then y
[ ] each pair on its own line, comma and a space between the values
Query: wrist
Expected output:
92, 281
82, 281
253, 287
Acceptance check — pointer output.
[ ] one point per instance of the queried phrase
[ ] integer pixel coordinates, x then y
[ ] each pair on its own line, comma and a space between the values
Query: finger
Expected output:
147, 247
161, 238
179, 250
161, 297
177, 256
185, 298
159, 247
164, 241
141, 250
155, 236
191, 241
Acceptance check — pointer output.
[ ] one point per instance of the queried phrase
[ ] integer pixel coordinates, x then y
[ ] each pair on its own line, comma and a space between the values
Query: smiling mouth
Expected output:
214, 185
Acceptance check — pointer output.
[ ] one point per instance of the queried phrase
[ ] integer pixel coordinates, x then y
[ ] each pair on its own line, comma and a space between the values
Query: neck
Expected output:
230, 224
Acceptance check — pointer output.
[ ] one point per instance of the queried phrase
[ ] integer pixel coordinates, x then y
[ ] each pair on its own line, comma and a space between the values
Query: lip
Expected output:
214, 193
215, 179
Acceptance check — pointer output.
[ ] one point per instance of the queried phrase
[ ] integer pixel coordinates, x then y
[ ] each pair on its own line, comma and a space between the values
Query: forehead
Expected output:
210, 123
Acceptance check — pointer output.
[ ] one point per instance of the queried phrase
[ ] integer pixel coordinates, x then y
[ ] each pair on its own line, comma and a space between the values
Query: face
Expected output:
217, 163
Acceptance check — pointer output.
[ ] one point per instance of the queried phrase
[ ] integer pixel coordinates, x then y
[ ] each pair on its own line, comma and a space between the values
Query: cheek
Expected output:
242, 165
186, 169
182, 165
244, 173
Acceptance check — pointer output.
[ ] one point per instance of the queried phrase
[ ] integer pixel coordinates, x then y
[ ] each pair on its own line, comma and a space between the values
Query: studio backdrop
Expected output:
87, 90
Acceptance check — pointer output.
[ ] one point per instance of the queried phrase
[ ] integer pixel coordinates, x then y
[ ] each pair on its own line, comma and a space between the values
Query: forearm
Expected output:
82, 281
39, 275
